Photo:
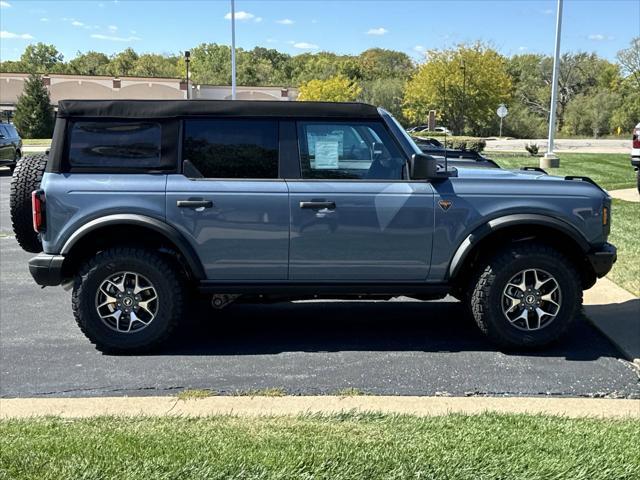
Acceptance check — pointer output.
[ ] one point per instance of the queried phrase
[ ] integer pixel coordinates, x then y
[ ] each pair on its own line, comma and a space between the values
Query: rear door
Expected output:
354, 215
229, 202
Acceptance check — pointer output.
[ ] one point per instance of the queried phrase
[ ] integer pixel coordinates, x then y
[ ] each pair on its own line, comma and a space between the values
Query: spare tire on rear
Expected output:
26, 178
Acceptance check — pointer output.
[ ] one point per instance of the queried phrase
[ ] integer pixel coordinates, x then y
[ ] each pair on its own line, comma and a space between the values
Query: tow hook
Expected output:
221, 300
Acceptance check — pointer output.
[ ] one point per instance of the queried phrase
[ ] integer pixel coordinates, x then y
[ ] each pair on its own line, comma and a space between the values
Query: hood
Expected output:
529, 181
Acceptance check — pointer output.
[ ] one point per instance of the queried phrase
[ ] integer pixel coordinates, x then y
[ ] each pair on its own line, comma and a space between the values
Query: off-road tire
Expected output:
26, 178
160, 271
491, 279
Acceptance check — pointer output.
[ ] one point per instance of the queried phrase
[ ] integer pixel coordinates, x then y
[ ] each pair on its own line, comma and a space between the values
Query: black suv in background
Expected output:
10, 146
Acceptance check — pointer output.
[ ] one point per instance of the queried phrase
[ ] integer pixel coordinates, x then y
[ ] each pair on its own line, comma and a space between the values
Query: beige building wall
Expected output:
83, 87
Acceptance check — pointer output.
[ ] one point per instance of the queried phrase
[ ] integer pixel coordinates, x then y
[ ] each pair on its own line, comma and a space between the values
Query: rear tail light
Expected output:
37, 210
636, 138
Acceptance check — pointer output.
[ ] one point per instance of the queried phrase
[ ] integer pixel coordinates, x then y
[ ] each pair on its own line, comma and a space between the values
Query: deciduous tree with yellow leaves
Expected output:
464, 85
334, 89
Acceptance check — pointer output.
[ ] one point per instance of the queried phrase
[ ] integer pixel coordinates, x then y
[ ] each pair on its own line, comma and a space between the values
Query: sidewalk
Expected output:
626, 194
616, 313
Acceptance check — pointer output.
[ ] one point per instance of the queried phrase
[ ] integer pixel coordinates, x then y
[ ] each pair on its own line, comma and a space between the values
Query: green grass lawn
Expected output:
609, 170
625, 234
345, 446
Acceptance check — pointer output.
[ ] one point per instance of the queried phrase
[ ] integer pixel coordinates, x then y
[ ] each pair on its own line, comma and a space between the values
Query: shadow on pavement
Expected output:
251, 329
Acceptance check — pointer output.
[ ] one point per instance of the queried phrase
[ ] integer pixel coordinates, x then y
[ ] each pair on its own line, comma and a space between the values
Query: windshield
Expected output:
404, 133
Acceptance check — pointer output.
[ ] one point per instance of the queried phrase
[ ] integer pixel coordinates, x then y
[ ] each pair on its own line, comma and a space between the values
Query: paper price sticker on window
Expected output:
326, 154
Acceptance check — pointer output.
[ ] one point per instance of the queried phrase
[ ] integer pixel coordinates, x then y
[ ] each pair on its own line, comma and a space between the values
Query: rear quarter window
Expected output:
115, 144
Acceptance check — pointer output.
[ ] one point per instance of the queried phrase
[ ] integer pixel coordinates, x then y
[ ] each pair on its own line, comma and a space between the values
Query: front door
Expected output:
229, 202
353, 216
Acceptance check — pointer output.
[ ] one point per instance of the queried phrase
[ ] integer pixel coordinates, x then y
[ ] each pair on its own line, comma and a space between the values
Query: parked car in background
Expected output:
635, 153
10, 146
425, 128
456, 157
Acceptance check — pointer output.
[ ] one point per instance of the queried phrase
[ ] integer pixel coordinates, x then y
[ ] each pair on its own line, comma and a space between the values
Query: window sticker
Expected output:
326, 153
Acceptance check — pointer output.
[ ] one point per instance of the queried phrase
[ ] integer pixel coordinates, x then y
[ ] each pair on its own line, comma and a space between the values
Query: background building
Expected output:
62, 87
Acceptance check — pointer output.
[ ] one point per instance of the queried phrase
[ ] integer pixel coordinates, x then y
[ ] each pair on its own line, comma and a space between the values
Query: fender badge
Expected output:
444, 204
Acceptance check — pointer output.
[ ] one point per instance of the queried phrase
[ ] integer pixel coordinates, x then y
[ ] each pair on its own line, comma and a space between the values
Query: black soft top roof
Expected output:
232, 108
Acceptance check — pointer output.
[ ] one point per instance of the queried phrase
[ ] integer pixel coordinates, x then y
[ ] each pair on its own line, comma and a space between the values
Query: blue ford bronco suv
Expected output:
142, 205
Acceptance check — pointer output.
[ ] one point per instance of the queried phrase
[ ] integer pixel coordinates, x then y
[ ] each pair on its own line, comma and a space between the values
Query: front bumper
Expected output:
46, 269
635, 161
602, 259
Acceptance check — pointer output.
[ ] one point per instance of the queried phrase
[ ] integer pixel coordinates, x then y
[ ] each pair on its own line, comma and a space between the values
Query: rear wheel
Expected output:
526, 296
26, 178
128, 300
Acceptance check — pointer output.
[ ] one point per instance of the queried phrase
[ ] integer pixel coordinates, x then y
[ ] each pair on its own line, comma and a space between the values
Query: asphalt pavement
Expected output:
384, 348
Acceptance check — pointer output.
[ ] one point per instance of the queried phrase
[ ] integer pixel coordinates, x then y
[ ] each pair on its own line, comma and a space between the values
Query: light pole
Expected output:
187, 58
550, 159
464, 92
233, 50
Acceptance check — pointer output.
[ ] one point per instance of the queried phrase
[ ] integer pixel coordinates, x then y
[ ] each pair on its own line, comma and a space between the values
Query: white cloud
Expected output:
258, 19
599, 37
548, 11
306, 46
522, 49
76, 23
377, 31
4, 4
419, 48
113, 38
241, 15
272, 40
112, 28
20, 36
44, 19
285, 21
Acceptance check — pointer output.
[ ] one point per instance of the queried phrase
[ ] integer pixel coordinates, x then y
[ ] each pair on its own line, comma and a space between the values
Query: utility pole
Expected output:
187, 58
550, 159
233, 50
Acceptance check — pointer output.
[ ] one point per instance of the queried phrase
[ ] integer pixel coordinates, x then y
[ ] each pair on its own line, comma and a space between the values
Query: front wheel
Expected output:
128, 300
526, 296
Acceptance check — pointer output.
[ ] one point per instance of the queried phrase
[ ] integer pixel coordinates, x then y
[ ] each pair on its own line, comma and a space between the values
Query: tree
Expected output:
386, 93
90, 63
40, 58
465, 85
34, 113
335, 89
155, 65
382, 63
123, 63
629, 60
211, 63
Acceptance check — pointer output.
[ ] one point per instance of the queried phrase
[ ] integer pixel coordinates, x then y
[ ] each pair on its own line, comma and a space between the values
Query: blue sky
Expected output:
171, 26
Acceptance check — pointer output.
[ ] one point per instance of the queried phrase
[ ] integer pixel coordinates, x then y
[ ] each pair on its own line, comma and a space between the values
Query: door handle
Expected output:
194, 203
318, 205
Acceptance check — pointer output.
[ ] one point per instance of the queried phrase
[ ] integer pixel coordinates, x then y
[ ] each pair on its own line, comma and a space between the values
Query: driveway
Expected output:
399, 347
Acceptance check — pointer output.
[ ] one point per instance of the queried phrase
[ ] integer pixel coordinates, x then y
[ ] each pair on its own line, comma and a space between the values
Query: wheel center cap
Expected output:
127, 301
530, 299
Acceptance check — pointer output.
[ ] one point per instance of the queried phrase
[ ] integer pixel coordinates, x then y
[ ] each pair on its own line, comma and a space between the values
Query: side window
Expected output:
231, 148
115, 144
350, 150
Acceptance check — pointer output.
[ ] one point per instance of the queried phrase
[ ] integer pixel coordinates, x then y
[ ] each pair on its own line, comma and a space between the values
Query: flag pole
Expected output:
550, 159
233, 50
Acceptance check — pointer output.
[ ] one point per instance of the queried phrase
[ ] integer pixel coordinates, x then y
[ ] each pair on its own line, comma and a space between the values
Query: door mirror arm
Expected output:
425, 167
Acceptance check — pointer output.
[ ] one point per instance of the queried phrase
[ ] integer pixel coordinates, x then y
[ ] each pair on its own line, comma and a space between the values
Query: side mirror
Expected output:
423, 166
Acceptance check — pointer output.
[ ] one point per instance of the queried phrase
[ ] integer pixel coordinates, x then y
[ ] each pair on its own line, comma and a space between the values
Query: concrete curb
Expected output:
616, 313
259, 406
